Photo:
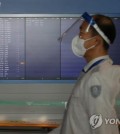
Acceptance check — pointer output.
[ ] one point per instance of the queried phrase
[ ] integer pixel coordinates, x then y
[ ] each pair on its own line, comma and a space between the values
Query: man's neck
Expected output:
90, 57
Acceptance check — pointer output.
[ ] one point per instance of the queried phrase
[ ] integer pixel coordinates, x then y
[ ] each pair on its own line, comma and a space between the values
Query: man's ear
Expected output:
98, 40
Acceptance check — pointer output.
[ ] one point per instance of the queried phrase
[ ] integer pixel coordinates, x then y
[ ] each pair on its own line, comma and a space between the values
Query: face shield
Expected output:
91, 22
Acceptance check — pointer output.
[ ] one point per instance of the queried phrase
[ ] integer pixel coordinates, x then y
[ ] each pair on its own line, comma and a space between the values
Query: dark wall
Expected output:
60, 6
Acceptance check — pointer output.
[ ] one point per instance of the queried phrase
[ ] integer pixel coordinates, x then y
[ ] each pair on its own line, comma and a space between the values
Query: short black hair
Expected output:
106, 24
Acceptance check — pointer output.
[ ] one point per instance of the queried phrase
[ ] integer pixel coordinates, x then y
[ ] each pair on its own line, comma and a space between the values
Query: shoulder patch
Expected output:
95, 91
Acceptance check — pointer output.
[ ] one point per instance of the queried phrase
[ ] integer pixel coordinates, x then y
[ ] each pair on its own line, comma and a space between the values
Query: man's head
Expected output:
107, 26
100, 45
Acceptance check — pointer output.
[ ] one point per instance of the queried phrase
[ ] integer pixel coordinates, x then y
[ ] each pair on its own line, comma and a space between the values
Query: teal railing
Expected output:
33, 103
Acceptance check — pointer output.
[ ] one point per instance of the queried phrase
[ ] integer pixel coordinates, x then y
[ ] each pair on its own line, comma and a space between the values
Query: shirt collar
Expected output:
95, 60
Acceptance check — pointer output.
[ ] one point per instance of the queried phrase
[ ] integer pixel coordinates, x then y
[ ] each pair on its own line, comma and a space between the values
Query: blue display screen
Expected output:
12, 48
42, 48
30, 49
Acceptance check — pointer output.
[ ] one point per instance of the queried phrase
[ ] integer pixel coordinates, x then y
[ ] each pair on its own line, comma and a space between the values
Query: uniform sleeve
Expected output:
99, 108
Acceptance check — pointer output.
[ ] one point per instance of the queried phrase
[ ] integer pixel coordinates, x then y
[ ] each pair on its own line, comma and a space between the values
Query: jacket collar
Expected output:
96, 61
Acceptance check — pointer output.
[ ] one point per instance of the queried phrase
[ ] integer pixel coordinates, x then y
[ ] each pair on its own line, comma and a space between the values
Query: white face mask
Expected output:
78, 46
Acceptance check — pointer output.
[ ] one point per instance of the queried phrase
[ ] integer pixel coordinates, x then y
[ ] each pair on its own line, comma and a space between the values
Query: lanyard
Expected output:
96, 63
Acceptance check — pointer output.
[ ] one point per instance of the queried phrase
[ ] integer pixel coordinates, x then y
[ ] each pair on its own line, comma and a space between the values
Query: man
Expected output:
93, 97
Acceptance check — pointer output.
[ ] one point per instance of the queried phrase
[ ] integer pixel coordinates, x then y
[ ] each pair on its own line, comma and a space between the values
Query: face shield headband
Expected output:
89, 19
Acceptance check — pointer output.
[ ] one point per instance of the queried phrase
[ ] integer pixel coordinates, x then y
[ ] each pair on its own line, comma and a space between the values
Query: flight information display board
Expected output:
30, 49
42, 48
12, 52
